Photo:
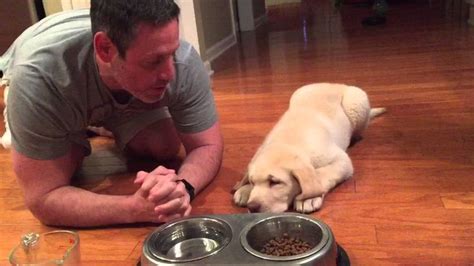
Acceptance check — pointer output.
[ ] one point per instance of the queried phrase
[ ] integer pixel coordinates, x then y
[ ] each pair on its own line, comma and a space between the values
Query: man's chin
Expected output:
152, 98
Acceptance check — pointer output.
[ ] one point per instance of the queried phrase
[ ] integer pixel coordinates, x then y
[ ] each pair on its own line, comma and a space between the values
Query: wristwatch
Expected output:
189, 188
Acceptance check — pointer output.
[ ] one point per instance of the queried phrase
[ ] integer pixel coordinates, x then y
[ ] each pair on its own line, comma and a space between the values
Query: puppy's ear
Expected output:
308, 180
241, 183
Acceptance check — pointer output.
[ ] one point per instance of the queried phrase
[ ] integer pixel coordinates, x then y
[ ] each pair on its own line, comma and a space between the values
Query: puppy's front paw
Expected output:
308, 205
241, 196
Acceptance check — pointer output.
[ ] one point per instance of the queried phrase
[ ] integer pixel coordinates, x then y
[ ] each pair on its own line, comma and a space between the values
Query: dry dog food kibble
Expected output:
285, 246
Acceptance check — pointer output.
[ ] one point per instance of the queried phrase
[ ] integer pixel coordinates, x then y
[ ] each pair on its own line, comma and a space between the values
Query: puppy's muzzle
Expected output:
253, 207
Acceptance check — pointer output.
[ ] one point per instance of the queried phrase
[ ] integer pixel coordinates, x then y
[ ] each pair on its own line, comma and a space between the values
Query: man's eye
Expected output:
155, 63
161, 60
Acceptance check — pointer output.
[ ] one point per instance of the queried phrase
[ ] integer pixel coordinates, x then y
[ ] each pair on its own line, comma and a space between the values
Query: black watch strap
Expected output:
189, 188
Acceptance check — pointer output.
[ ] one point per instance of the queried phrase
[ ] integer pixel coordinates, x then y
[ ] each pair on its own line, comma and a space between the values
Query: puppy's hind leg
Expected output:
356, 106
329, 176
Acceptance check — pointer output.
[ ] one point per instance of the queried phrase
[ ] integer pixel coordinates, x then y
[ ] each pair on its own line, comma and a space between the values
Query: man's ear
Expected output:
104, 47
308, 180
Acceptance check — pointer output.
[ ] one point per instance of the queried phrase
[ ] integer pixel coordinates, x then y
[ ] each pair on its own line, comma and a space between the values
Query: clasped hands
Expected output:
162, 195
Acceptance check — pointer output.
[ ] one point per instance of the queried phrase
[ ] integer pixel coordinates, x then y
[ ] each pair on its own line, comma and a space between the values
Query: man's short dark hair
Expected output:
120, 18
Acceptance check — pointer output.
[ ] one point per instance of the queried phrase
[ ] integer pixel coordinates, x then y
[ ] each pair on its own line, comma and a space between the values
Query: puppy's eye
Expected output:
274, 182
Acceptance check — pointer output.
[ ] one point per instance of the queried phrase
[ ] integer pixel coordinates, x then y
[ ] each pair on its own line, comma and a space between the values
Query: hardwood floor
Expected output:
411, 199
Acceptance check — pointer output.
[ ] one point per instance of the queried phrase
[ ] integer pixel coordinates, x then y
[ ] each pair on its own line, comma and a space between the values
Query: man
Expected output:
130, 75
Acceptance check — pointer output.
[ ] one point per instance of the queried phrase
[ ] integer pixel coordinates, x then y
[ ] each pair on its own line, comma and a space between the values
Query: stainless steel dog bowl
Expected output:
188, 240
317, 234
236, 239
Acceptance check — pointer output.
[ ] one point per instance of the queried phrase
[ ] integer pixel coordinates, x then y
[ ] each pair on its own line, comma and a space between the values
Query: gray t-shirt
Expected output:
56, 92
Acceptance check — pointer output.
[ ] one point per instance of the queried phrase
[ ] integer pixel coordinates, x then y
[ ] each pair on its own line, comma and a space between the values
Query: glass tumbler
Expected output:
59, 247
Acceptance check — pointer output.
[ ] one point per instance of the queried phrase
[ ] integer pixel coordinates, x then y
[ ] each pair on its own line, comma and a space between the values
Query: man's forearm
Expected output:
201, 165
72, 206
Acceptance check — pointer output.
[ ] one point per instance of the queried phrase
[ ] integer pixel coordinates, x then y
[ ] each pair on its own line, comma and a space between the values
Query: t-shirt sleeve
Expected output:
37, 116
194, 109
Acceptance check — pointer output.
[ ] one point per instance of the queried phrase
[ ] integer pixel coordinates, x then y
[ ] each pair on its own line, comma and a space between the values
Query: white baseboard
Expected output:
219, 48
280, 2
207, 64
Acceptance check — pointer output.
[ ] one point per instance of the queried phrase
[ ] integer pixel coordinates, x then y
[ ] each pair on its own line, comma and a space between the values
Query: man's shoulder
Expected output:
186, 53
58, 56
65, 35
54, 53
54, 35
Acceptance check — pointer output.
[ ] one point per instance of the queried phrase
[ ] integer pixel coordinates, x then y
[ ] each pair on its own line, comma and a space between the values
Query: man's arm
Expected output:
49, 196
203, 156
203, 159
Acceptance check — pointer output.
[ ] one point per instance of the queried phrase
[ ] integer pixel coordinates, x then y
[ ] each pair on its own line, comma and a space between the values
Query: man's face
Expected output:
148, 65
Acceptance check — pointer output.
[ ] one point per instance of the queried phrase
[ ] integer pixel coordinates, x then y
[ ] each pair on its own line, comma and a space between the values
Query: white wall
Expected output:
73, 4
187, 23
52, 6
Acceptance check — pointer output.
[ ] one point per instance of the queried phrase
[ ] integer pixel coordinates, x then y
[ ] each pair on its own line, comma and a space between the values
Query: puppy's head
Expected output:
272, 191
277, 177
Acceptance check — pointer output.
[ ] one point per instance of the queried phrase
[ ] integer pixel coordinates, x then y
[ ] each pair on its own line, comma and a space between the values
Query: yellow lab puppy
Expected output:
304, 155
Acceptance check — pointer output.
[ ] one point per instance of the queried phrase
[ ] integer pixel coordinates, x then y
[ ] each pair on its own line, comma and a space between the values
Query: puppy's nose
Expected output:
253, 207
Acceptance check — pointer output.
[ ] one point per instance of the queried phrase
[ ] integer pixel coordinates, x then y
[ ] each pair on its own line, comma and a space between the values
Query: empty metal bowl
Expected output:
187, 240
318, 235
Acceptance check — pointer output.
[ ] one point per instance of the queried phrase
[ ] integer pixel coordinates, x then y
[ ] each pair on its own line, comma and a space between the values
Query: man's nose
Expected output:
167, 71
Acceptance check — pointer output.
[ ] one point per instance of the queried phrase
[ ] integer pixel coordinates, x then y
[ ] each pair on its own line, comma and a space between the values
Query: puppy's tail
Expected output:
376, 112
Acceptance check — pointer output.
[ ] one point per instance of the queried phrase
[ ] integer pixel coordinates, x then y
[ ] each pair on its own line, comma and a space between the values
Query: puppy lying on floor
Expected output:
304, 155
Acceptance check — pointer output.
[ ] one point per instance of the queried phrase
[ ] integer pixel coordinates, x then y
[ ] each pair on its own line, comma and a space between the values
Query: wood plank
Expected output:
458, 200
427, 235
409, 255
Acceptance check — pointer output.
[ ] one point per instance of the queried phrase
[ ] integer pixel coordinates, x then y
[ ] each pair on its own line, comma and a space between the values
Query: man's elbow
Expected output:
40, 210
219, 144
220, 148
